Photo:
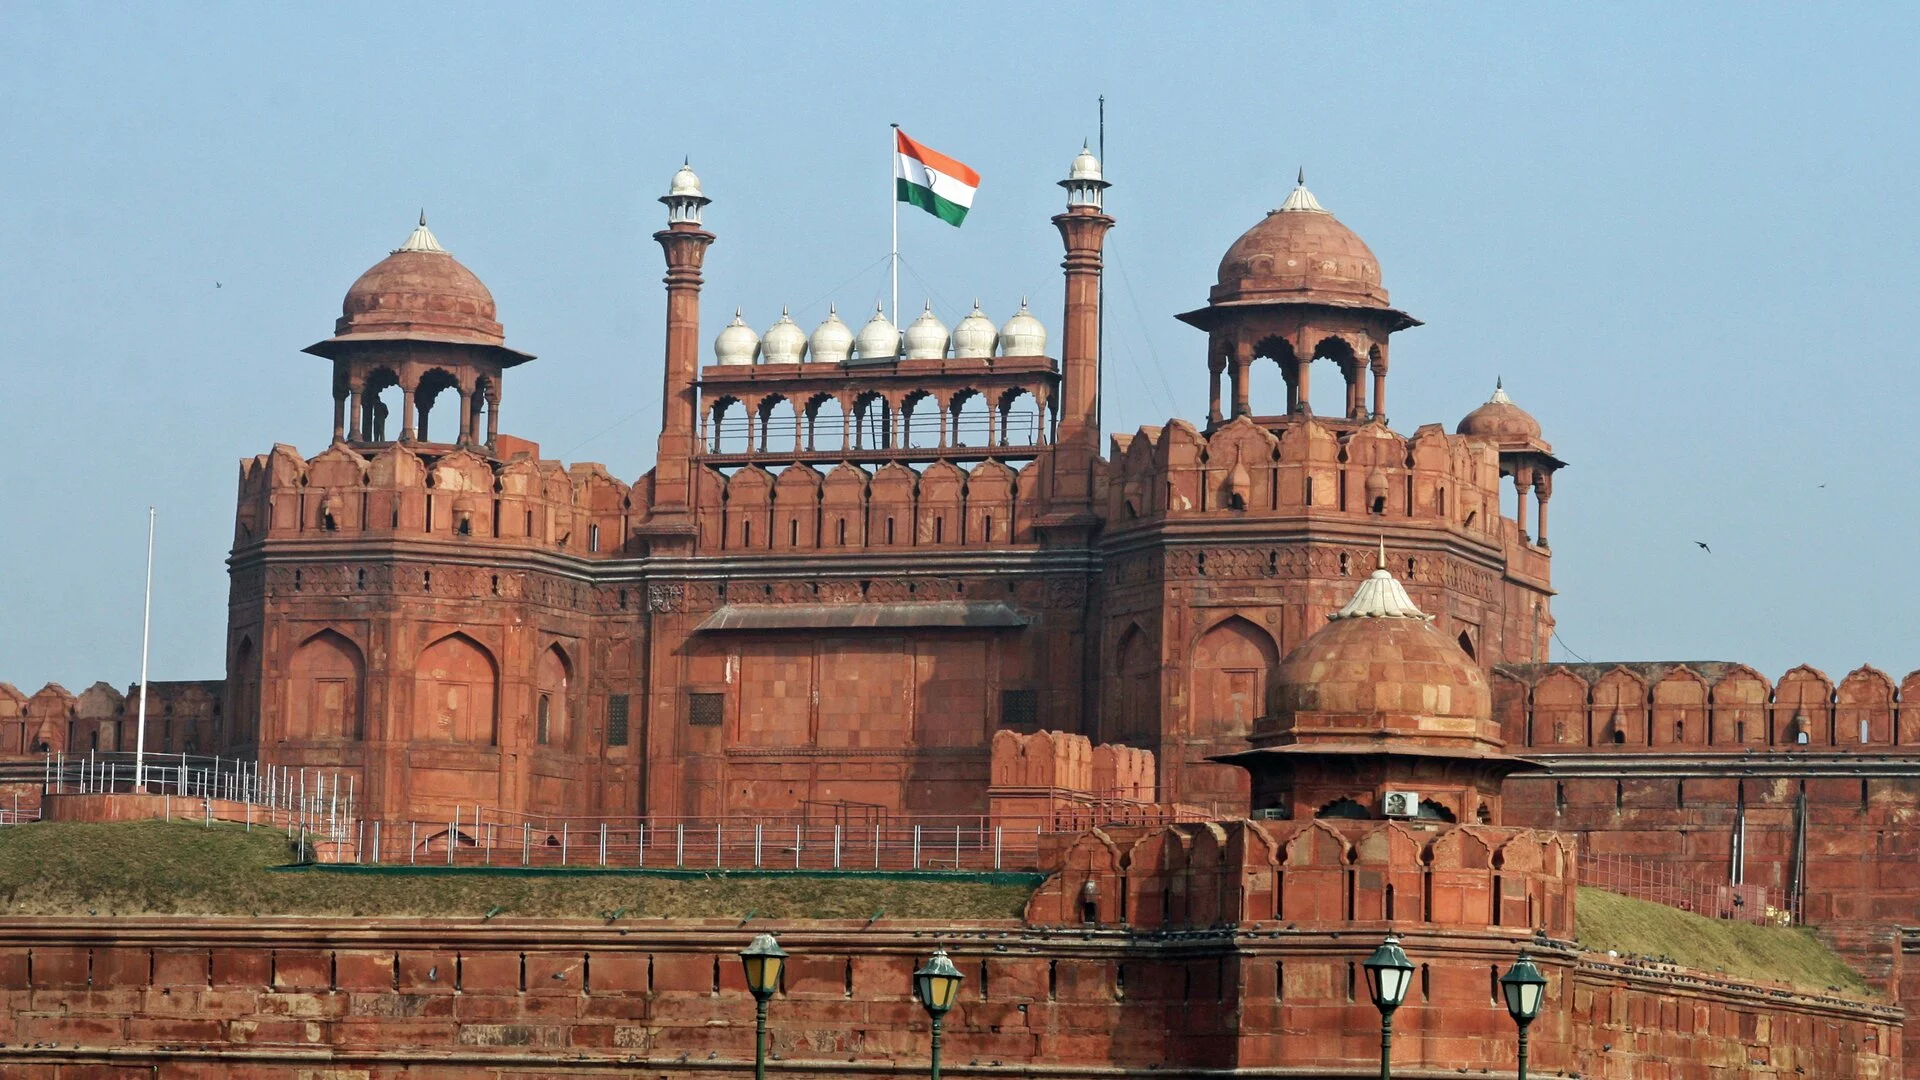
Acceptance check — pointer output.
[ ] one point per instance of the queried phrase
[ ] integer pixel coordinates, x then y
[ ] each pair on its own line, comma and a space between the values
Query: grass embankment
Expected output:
1650, 931
162, 868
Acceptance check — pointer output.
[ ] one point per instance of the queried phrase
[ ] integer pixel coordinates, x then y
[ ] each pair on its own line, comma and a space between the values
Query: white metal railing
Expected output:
316, 802
471, 837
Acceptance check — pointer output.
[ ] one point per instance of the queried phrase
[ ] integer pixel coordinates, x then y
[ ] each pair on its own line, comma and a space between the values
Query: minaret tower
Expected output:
1083, 228
684, 243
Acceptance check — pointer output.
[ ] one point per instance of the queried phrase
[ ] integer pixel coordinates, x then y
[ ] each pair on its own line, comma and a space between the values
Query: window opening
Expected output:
616, 719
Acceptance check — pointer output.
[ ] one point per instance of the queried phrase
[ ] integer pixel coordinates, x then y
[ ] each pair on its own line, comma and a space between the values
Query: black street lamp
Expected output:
1389, 973
762, 959
1525, 990
937, 985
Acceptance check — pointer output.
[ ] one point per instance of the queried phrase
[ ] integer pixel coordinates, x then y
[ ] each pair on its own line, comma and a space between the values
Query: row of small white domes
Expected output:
926, 338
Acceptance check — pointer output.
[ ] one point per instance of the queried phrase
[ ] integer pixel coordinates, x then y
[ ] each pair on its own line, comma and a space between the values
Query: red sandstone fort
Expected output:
1253, 681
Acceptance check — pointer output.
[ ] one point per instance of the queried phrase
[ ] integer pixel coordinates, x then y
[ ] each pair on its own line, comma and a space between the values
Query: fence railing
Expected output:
1678, 886
735, 433
321, 803
778, 843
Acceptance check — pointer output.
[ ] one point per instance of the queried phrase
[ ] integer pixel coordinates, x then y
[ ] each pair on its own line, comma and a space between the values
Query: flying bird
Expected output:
1701, 544
216, 284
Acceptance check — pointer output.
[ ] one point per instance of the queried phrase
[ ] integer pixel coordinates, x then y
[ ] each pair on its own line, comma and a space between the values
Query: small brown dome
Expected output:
1363, 667
1501, 419
420, 292
1380, 669
1302, 250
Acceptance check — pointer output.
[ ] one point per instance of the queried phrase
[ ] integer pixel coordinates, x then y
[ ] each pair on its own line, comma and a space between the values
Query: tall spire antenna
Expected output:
1300, 178
1100, 327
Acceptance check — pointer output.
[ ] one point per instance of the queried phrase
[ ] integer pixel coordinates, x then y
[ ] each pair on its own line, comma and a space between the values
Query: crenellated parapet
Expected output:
402, 493
1312, 874
853, 508
1685, 707
182, 717
1365, 475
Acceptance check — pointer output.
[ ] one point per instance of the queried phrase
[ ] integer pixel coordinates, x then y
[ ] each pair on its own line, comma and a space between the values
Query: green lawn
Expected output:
162, 868
1657, 932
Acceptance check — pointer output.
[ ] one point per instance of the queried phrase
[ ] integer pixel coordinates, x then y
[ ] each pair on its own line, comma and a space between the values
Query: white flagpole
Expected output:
146, 631
893, 200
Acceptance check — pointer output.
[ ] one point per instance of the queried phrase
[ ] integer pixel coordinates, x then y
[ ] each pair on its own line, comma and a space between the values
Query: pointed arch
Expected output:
243, 683
553, 699
326, 689
456, 693
1136, 684
1231, 663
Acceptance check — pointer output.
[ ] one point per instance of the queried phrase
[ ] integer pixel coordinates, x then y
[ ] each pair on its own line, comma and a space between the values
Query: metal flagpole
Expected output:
893, 199
146, 627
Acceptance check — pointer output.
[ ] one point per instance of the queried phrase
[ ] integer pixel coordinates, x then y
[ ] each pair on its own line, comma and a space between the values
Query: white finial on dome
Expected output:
1499, 393
1300, 199
784, 342
879, 339
1023, 335
975, 336
926, 336
832, 340
421, 239
1381, 596
737, 343
683, 197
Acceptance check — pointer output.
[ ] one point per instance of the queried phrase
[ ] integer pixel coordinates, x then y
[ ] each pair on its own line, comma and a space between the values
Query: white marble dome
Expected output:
975, 337
832, 340
1085, 166
879, 339
784, 342
927, 336
737, 343
1023, 335
685, 183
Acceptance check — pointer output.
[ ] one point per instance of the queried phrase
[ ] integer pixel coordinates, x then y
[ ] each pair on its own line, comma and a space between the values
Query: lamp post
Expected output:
762, 958
1389, 973
1525, 990
937, 985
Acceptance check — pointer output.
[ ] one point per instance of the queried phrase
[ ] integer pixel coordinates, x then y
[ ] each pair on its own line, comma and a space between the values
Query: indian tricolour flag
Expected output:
931, 180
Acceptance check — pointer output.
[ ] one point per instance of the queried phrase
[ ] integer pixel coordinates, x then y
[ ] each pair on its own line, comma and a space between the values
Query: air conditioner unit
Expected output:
1401, 804
1271, 813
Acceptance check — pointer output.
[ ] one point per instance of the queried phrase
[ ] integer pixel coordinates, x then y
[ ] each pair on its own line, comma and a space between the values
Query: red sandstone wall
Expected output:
312, 998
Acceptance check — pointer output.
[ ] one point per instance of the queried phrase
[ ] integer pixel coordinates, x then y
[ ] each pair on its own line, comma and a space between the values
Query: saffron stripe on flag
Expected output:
939, 162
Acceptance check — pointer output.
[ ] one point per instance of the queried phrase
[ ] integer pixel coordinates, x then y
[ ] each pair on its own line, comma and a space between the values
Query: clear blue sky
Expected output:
1685, 236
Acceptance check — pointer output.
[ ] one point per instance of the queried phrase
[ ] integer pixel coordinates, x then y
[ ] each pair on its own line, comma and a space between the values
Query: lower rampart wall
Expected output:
359, 999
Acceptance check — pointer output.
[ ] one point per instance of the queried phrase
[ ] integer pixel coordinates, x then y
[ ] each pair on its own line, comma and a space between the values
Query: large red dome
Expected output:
1301, 251
420, 292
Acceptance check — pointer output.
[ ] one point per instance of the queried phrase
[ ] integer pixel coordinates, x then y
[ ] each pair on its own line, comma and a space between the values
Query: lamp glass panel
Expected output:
940, 991
1530, 999
1393, 984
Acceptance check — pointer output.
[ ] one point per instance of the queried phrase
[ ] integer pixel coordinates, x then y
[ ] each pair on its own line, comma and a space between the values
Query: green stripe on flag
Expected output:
923, 197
